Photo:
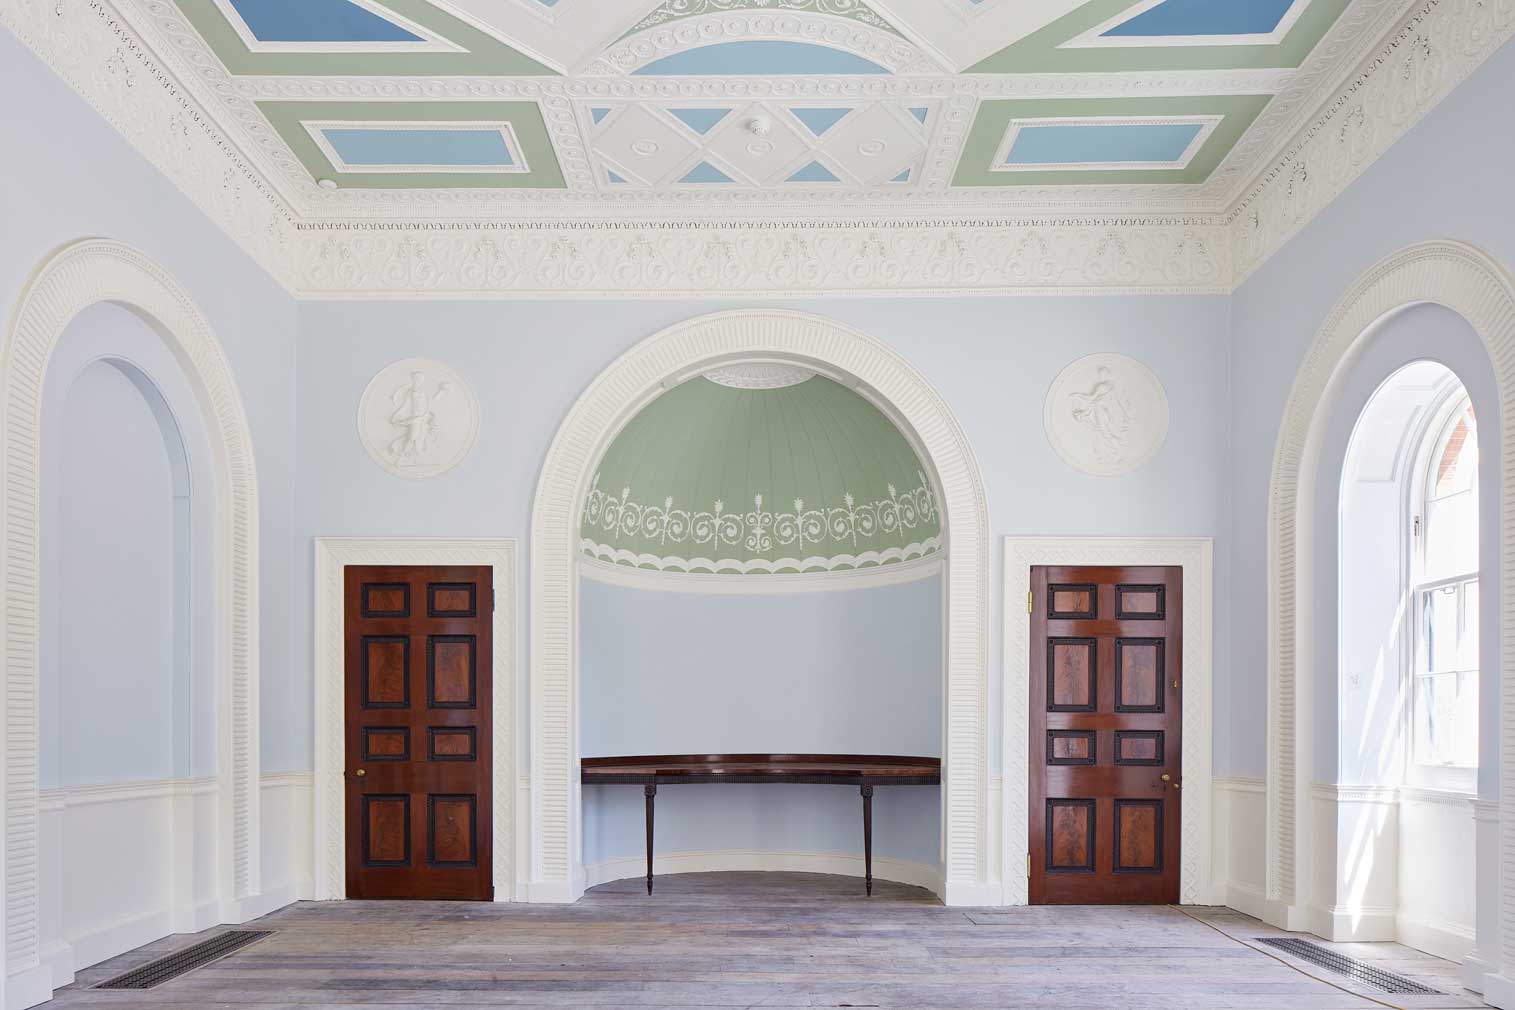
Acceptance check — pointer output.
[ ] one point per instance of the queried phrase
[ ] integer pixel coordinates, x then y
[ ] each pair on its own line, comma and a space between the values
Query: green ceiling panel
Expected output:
994, 117
525, 119
484, 54
757, 480
1039, 52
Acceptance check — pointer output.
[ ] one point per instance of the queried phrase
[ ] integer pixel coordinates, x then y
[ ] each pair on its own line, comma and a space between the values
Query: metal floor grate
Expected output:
196, 955
1358, 971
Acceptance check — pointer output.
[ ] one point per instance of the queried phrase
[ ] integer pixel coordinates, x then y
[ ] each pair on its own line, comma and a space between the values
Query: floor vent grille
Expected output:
196, 955
1358, 971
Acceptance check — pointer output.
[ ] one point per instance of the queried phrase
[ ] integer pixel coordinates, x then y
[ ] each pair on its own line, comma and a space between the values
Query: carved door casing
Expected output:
1106, 750
418, 731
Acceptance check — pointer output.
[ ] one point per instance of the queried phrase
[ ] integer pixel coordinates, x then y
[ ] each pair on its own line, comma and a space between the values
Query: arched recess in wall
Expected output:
554, 816
70, 280
1471, 283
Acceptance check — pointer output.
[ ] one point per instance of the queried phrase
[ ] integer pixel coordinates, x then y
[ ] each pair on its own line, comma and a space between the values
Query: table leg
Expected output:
650, 791
868, 836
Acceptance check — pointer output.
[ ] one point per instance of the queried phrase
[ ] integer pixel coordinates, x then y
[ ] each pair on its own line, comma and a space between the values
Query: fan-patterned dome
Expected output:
760, 469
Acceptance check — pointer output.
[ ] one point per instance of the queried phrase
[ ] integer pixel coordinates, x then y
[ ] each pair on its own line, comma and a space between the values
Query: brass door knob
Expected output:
1166, 776
361, 773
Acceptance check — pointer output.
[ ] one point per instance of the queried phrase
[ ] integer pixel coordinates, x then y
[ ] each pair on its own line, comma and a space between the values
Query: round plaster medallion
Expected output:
418, 418
1106, 414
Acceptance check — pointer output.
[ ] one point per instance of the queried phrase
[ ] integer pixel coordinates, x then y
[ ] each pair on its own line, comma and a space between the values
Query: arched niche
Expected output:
554, 826
70, 280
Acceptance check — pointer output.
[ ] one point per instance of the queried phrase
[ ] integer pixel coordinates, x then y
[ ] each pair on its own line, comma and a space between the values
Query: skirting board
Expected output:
726, 860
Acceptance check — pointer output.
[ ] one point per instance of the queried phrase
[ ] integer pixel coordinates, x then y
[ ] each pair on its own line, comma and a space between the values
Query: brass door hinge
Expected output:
1030, 602
1028, 864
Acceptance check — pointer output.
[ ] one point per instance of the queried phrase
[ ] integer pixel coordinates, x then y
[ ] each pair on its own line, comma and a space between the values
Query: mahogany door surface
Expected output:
418, 702
1106, 757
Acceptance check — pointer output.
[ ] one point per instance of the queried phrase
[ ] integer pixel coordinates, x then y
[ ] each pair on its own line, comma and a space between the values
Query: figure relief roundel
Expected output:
418, 418
1106, 414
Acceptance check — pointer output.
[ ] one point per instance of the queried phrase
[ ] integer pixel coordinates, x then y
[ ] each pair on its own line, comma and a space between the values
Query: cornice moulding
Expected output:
928, 241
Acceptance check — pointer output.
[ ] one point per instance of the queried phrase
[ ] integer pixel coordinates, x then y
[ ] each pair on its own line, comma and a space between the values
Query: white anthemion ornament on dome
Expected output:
418, 418
1106, 414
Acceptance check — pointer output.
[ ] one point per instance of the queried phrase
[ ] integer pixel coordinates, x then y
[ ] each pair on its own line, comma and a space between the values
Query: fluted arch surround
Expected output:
1471, 283
70, 280
697, 345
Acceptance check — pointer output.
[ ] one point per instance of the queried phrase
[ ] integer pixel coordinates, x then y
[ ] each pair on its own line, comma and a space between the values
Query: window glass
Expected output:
1444, 693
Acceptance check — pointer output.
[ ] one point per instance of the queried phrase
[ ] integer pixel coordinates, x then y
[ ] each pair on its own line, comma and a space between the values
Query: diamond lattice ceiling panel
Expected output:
375, 108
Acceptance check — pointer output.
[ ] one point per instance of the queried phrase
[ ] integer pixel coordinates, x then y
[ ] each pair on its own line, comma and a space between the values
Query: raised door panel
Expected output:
1106, 677
418, 643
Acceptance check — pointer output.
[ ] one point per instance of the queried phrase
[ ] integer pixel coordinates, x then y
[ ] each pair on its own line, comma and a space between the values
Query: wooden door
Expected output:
1106, 748
418, 703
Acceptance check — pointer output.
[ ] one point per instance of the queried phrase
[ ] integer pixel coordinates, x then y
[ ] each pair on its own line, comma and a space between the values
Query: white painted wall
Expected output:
856, 671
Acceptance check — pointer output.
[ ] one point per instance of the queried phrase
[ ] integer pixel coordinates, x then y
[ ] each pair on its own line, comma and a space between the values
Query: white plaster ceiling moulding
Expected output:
418, 418
153, 77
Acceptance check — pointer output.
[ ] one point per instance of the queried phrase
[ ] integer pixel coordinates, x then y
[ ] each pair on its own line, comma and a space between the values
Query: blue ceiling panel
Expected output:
1205, 17
700, 120
1072, 144
818, 121
814, 172
458, 148
761, 57
705, 172
317, 21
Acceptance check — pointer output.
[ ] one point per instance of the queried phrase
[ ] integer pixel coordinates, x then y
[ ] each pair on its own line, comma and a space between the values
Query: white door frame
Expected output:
1195, 556
329, 825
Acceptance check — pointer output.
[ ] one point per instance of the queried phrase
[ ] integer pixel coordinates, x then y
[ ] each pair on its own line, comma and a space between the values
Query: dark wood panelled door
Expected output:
419, 684
1106, 758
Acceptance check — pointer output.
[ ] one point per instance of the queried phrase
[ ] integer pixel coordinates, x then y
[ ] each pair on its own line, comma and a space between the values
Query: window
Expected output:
1444, 592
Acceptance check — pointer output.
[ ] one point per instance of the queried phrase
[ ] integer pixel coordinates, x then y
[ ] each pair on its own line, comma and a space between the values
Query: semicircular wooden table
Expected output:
862, 770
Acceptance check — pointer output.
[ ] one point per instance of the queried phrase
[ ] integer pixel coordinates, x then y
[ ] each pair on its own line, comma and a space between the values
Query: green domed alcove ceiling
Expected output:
760, 469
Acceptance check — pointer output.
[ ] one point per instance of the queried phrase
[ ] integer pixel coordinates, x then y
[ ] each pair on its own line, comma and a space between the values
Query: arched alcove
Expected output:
68, 283
1466, 284
554, 831
760, 572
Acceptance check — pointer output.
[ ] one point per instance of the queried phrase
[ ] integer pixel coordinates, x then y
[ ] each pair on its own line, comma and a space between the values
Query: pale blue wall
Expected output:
76, 177
114, 687
1448, 178
855, 671
992, 359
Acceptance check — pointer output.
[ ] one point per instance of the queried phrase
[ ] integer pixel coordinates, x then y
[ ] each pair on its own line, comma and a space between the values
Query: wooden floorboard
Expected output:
771, 940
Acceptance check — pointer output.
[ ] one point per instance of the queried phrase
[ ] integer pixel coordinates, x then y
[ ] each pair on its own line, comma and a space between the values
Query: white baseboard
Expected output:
1354, 925
1499, 990
1476, 971
728, 860
270, 900
1247, 900
1446, 940
28, 988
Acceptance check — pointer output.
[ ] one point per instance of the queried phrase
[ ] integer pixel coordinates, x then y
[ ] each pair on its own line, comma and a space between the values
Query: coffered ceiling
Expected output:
366, 106
536, 147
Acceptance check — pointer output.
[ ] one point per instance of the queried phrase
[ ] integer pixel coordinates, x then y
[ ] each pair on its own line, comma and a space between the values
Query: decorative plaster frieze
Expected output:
323, 243
1436, 47
104, 60
780, 260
